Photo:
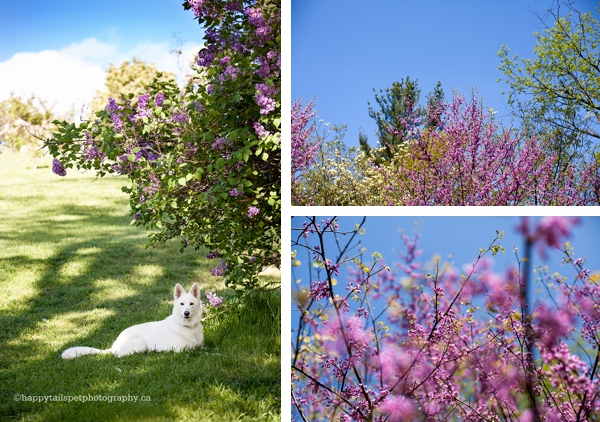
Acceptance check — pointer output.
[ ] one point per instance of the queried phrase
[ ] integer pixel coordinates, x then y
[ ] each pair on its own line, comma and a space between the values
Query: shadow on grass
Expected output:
92, 277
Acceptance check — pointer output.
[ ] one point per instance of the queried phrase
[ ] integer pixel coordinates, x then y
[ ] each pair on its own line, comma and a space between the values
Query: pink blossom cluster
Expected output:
469, 160
304, 146
445, 344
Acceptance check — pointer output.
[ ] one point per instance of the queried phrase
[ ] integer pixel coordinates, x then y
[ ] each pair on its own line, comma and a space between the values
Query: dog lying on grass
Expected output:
181, 330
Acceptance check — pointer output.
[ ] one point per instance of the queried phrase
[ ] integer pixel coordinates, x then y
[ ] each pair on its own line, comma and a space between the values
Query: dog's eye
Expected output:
182, 303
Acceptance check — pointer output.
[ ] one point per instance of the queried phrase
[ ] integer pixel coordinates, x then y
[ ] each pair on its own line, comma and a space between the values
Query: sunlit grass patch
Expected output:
74, 272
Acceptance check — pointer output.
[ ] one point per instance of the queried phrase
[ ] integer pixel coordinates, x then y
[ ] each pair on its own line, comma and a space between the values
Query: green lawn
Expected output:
74, 272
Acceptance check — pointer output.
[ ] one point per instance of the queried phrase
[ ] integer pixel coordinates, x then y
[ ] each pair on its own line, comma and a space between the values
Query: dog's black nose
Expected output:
186, 314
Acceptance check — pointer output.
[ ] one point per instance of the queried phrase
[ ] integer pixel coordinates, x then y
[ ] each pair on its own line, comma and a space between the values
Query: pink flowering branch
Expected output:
462, 346
304, 146
470, 160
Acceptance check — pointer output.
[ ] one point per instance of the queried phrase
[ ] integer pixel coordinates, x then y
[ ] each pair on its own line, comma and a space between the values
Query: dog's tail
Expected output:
75, 352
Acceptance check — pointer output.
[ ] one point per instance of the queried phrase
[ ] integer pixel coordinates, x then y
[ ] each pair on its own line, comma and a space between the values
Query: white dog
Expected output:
179, 331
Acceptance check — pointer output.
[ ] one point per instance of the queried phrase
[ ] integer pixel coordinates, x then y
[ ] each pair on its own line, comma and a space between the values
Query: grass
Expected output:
74, 272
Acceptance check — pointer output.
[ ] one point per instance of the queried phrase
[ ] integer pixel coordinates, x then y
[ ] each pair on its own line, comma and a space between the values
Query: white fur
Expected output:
181, 330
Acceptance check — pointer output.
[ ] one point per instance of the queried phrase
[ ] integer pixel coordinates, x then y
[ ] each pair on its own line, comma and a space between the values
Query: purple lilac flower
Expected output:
256, 18
214, 300
58, 168
265, 70
115, 116
158, 100
205, 57
229, 71
196, 6
263, 98
225, 60
143, 101
113, 106
180, 117
190, 149
266, 89
211, 34
142, 110
219, 143
94, 152
260, 130
252, 211
233, 6
266, 104
220, 270
213, 255
154, 186
199, 106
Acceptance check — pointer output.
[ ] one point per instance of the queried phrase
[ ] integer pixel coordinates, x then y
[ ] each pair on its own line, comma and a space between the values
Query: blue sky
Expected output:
342, 49
61, 49
458, 237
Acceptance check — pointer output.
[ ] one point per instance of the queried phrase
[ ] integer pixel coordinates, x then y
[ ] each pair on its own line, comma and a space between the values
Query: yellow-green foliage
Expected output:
130, 77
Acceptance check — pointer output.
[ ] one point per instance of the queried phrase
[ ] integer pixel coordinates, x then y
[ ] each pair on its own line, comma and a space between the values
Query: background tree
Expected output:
556, 95
397, 103
21, 119
338, 175
133, 77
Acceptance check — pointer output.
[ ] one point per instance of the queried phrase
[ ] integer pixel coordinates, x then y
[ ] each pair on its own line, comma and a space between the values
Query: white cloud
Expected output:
69, 77
163, 57
90, 49
58, 78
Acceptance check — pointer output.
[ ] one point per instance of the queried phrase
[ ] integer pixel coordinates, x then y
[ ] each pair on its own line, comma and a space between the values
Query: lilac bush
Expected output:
203, 162
445, 344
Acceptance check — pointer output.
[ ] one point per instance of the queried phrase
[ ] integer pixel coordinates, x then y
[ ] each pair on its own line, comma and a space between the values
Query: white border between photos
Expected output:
286, 107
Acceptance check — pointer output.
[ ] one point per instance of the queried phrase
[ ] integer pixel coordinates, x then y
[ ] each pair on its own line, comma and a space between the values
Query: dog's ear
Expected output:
178, 291
195, 290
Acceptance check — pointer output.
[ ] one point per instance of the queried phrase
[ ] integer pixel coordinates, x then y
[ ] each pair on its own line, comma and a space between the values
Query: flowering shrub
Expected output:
203, 162
443, 343
466, 159
471, 161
